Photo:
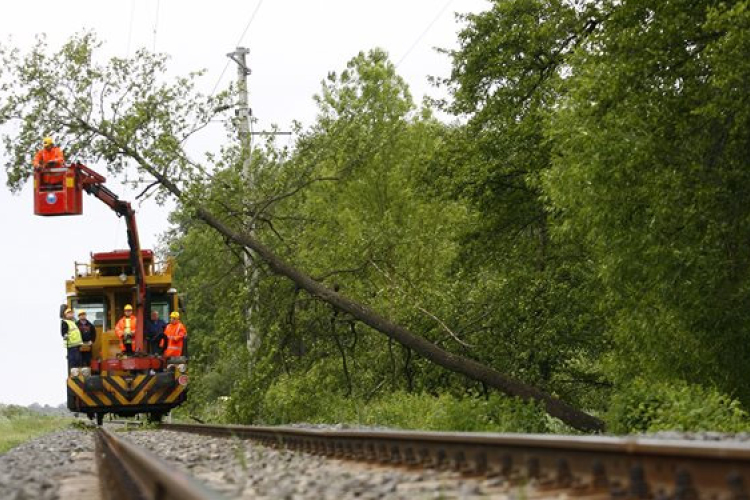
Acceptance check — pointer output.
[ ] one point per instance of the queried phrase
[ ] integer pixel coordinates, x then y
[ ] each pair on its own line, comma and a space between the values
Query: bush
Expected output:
649, 407
449, 413
12, 412
312, 400
304, 399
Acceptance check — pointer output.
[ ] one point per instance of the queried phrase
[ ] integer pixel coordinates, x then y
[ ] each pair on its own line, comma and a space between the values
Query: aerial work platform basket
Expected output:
59, 191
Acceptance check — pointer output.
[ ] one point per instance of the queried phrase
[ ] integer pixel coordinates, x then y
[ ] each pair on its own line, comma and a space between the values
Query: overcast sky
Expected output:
293, 44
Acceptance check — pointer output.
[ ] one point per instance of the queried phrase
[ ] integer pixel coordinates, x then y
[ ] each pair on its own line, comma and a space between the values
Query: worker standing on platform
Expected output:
49, 156
72, 337
176, 333
155, 334
88, 335
125, 330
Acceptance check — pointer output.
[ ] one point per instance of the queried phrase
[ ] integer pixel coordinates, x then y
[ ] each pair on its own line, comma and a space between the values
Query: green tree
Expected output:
611, 133
651, 170
537, 296
122, 111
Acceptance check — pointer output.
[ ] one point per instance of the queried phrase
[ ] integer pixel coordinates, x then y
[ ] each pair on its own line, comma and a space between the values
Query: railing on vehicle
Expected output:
83, 270
162, 267
157, 268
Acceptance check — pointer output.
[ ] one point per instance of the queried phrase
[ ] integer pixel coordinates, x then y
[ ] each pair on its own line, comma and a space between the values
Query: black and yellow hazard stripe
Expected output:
119, 387
119, 394
140, 382
119, 391
171, 398
76, 384
143, 390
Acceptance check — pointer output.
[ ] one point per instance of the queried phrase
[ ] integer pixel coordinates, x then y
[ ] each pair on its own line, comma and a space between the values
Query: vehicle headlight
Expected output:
86, 372
182, 367
74, 372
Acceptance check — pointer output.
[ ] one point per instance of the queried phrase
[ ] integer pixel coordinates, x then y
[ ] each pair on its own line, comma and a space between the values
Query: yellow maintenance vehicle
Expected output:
123, 383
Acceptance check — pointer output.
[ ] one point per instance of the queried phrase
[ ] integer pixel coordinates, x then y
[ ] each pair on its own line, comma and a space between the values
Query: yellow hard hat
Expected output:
128, 307
174, 315
81, 313
47, 141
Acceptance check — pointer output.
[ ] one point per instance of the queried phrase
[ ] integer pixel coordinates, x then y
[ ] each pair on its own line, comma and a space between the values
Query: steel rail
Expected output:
128, 472
627, 467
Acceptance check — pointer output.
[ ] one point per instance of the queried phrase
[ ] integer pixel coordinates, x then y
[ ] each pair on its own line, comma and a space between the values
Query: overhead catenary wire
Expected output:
424, 33
239, 41
156, 24
247, 27
130, 29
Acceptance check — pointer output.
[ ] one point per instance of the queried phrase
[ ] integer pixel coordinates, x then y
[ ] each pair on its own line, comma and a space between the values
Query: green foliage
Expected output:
650, 172
18, 424
353, 204
9, 412
119, 112
650, 407
292, 400
467, 413
531, 297
300, 399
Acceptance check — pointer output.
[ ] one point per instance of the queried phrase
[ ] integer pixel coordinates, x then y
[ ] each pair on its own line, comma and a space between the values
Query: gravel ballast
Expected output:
243, 469
47, 467
741, 437
61, 465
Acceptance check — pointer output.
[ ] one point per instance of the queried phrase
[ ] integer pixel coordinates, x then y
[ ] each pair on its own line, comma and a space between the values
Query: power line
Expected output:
429, 27
252, 18
156, 23
218, 81
130, 30
244, 32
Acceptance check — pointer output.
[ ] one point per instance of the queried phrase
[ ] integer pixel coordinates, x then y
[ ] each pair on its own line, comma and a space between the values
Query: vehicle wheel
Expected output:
100, 419
155, 417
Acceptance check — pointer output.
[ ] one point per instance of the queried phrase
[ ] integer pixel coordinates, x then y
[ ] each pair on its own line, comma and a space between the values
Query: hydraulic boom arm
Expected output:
93, 184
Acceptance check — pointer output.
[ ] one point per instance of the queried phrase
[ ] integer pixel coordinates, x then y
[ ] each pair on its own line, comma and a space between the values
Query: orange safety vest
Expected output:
125, 325
175, 333
43, 156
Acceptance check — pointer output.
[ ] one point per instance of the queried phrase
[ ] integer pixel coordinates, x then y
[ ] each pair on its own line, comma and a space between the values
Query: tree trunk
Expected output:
459, 364
572, 416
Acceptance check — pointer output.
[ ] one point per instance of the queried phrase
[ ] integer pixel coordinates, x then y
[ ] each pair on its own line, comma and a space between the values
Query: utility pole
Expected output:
243, 114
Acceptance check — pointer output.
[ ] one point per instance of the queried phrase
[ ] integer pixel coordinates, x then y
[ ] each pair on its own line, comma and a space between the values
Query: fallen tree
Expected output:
121, 112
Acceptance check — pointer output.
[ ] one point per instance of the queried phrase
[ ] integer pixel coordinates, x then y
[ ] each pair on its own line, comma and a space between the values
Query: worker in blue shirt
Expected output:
155, 334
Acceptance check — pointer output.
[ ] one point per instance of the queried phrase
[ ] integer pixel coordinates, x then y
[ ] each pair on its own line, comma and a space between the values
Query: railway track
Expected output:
599, 467
128, 472
202, 462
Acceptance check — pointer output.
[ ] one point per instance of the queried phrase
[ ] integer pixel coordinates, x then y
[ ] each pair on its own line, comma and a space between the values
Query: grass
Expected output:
294, 400
20, 425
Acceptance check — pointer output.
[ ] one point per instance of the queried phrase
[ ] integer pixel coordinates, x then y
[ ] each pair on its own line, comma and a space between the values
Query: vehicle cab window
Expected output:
96, 310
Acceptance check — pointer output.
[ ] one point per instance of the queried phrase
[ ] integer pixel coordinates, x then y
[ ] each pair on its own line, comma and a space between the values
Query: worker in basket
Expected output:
175, 333
125, 330
50, 156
